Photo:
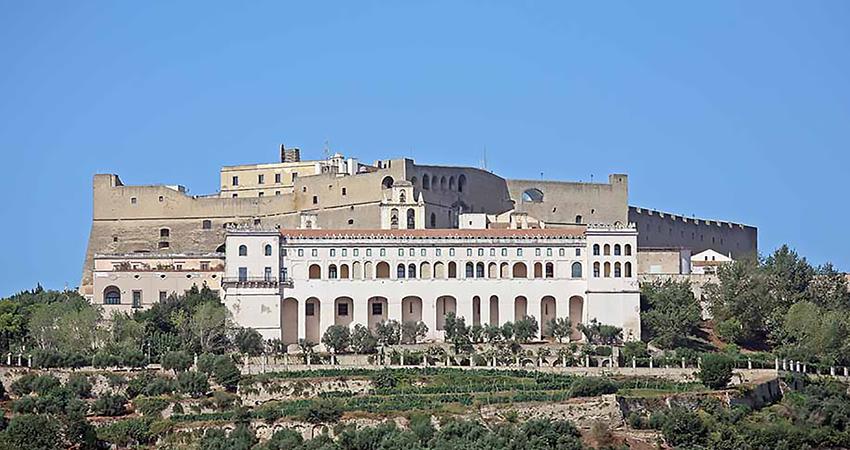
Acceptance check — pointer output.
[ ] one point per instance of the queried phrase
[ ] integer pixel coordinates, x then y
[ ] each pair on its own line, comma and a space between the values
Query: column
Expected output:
485, 310
534, 304
394, 309
326, 316
464, 309
302, 319
506, 309
361, 312
429, 315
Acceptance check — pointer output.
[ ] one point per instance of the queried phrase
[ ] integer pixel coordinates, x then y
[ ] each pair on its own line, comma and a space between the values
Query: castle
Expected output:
148, 241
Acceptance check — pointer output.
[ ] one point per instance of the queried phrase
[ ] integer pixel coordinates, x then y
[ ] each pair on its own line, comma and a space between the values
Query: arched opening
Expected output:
520, 307
411, 271
520, 270
443, 183
538, 270
445, 304
452, 269
332, 274
268, 250
550, 270
382, 270
578, 219
595, 249
377, 312
312, 309
575, 270
596, 270
394, 219
492, 270
461, 183
243, 250
289, 321
164, 232
433, 220
367, 270
343, 311
628, 250
413, 181
111, 296
547, 314
618, 272
315, 272
504, 270
494, 310
606, 250
411, 219
532, 195
576, 314
616, 249
356, 271
479, 270
343, 271
607, 268
425, 270
402, 197
411, 309
387, 182
628, 270
399, 271
470, 270
439, 270
451, 183
426, 182
476, 310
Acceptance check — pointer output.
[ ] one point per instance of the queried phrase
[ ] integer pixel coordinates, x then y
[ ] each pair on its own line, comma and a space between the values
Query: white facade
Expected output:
707, 261
485, 276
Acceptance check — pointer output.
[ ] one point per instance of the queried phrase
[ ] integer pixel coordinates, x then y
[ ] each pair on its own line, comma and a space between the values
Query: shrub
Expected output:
684, 429
226, 373
150, 406
110, 405
592, 386
322, 411
33, 432
362, 340
177, 361
715, 371
206, 362
133, 358
103, 359
384, 379
337, 338
249, 341
79, 385
194, 384
285, 439
730, 330
23, 385
125, 433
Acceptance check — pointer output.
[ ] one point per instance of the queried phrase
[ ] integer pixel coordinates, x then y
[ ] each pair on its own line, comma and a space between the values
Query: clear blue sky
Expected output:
730, 110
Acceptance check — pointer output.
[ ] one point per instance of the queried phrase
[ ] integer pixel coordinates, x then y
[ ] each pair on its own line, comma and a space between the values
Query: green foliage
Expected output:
815, 334
178, 361
684, 429
385, 379
598, 333
337, 338
715, 371
634, 349
149, 385
592, 387
225, 373
560, 328
79, 385
362, 340
194, 384
150, 406
249, 341
126, 433
525, 329
110, 405
323, 411
241, 438
388, 332
36, 432
670, 314
413, 332
206, 362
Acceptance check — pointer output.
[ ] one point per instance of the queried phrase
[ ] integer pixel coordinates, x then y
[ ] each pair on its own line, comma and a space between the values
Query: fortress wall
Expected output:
482, 192
562, 201
659, 229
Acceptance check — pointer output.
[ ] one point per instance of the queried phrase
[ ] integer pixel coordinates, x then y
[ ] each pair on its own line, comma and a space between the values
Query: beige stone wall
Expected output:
659, 229
663, 261
596, 203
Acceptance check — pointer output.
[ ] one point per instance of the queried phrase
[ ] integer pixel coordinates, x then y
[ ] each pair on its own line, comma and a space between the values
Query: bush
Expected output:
285, 439
103, 360
79, 385
133, 358
684, 429
362, 340
206, 362
150, 406
194, 384
44, 384
384, 379
322, 411
177, 361
337, 338
33, 432
592, 386
226, 373
715, 370
249, 341
110, 405
23, 385
730, 330
125, 433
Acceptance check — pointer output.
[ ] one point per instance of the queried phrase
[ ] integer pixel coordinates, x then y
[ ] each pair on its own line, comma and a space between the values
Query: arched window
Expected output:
394, 219
578, 219
452, 269
479, 270
595, 249
382, 270
628, 250
399, 271
344, 272
606, 250
332, 272
268, 250
315, 272
433, 220
550, 270
243, 250
402, 197
596, 270
443, 183
413, 181
576, 270
616, 249
628, 271
387, 182
411, 271
520, 270
411, 219
426, 182
451, 183
470, 270
111, 296
532, 196
461, 183
607, 268
617, 270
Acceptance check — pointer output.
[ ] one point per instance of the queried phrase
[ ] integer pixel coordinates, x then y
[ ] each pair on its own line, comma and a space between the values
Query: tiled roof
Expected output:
444, 233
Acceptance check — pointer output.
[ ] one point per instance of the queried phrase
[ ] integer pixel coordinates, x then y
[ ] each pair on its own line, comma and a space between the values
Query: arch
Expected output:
532, 195
411, 270
413, 181
439, 270
595, 249
538, 270
451, 183
476, 310
617, 250
520, 270
461, 183
243, 250
479, 270
411, 218
578, 218
550, 270
627, 250
576, 314
627, 270
343, 311
494, 310
433, 220
548, 312
111, 295
596, 270
367, 270
425, 270
470, 270
504, 270
315, 272
606, 250
445, 305
394, 219
399, 271
343, 272
426, 182
411, 309
387, 182
617, 270
402, 197
607, 269
289, 321
492, 270
332, 273
377, 314
311, 328
267, 250
575, 270
382, 270
356, 271
452, 269
520, 307
443, 183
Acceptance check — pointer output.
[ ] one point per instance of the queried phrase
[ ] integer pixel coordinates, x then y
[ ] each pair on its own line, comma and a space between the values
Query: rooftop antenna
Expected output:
327, 149
484, 159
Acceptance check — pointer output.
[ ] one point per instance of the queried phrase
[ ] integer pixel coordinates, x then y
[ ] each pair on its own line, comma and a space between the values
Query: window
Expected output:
261, 194
575, 271
268, 250
261, 179
112, 296
205, 265
504, 252
163, 232
548, 252
402, 198
438, 252
470, 270
132, 200
550, 270
479, 270
411, 219
532, 196
310, 309
578, 219
315, 252
283, 252
628, 250
519, 252
401, 252
377, 309
333, 252
235, 195
163, 295
267, 274
235, 181
137, 299
423, 252
616, 249
469, 252
411, 271
206, 225
536, 252
164, 244
606, 249
628, 270
595, 249
617, 270
301, 252
561, 252
344, 252
314, 272
400, 271
243, 250
276, 192
596, 270
315, 199
277, 178
426, 182
578, 252
607, 270
394, 219
243, 274
342, 309
461, 183
332, 272
344, 191
492, 252
433, 220
451, 252
382, 252
411, 252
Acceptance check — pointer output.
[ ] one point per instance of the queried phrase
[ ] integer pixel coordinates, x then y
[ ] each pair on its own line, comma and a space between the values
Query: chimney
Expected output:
289, 154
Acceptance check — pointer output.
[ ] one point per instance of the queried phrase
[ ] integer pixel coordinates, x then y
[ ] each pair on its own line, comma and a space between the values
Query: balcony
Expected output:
256, 282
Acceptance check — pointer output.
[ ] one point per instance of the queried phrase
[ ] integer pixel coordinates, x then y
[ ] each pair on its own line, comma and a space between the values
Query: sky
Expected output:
728, 110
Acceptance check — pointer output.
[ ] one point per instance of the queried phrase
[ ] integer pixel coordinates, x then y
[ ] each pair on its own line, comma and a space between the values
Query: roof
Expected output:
443, 233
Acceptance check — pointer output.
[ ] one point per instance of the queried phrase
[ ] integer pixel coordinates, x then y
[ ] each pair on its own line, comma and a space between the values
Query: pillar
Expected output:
327, 314
465, 309
749, 364
302, 319
506, 309
429, 314
533, 304
361, 312
394, 309
634, 363
485, 310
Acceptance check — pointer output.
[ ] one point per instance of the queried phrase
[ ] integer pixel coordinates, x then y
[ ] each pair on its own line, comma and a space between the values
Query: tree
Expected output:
560, 328
362, 340
599, 333
388, 332
110, 405
178, 361
208, 326
322, 411
715, 370
670, 313
525, 329
816, 334
413, 332
684, 429
194, 384
37, 432
337, 338
828, 288
226, 373
492, 333
741, 294
249, 341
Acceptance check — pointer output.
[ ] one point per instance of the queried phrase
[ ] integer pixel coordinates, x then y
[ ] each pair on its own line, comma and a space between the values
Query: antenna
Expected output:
484, 159
591, 178
327, 149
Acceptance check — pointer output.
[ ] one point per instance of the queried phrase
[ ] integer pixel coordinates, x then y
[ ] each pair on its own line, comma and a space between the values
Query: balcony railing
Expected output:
256, 282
